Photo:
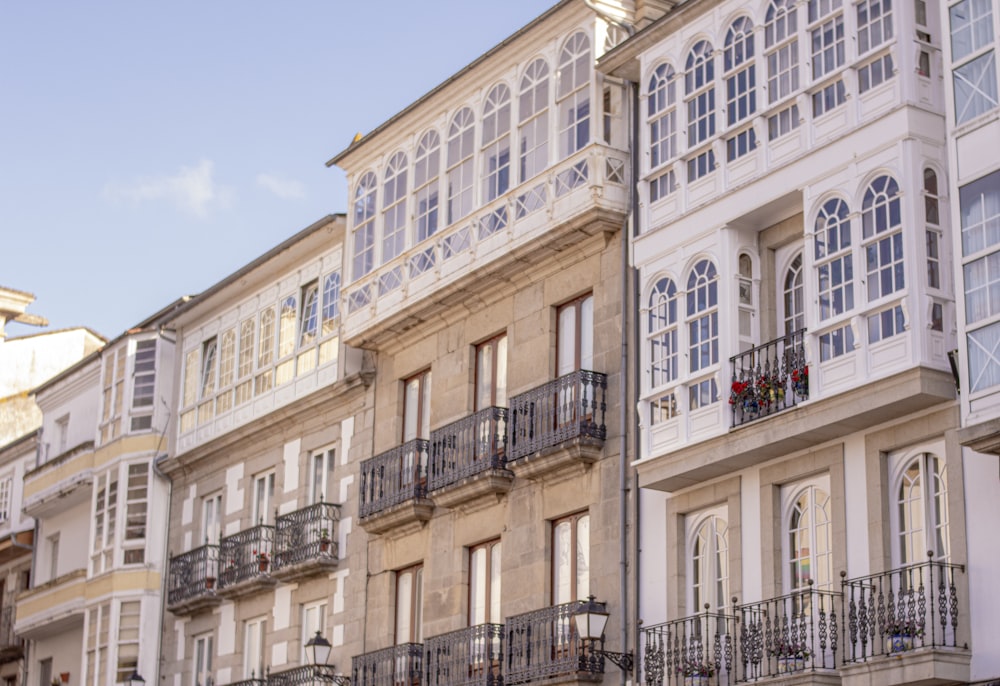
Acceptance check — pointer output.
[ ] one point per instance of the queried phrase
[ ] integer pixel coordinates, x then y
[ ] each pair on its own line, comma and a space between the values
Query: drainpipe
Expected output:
166, 568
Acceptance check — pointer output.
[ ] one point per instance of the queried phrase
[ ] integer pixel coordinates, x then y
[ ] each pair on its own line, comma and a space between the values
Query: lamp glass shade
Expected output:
136, 679
319, 648
591, 619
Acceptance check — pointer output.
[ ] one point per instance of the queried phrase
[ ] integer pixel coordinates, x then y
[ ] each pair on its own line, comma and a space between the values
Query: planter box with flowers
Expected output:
791, 656
695, 673
262, 560
899, 635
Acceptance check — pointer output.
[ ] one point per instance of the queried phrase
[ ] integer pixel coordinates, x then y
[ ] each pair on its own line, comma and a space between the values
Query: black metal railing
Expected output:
793, 633
467, 657
572, 406
394, 477
400, 665
910, 607
544, 643
471, 445
193, 574
306, 534
769, 378
252, 681
301, 676
246, 555
702, 648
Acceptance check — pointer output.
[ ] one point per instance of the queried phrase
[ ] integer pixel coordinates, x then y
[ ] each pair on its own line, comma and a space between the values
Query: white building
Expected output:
806, 509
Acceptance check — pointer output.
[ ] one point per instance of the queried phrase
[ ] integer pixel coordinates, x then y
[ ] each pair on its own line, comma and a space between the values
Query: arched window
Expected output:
573, 94
662, 116
533, 120
496, 143
834, 266
461, 148
741, 79
882, 232
782, 49
331, 303
426, 168
794, 311
363, 235
703, 331
709, 565
809, 536
921, 510
699, 94
394, 208
663, 333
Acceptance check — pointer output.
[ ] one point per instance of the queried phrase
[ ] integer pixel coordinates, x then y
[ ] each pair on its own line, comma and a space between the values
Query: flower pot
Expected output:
787, 665
262, 565
897, 643
324, 545
209, 582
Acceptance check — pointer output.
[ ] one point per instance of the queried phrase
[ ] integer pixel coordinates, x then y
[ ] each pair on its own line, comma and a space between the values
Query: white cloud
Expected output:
284, 188
192, 189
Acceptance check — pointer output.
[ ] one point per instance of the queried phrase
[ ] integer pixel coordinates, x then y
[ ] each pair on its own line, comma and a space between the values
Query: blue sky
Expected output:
151, 148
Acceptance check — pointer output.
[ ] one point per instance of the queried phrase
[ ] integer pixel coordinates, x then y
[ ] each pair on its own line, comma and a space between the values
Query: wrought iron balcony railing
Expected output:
400, 665
467, 657
471, 445
9, 641
246, 555
305, 535
911, 607
193, 574
569, 407
700, 646
394, 477
544, 643
793, 633
306, 675
769, 378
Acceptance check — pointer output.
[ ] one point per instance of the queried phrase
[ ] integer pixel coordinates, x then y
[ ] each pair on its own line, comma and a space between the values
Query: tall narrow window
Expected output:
741, 77
129, 616
932, 231
699, 94
244, 386
321, 476
575, 339
662, 114
426, 170
313, 620
874, 24
484, 584
264, 380
570, 558
781, 47
794, 305
211, 519
105, 521
980, 215
417, 407
263, 498
227, 360
883, 235
394, 208
5, 493
834, 268
143, 384
409, 605
827, 36
363, 235
709, 564
533, 120
491, 373
573, 95
663, 353
974, 75
287, 321
496, 143
921, 511
461, 147
204, 651
703, 316
136, 506
309, 322
253, 647
809, 537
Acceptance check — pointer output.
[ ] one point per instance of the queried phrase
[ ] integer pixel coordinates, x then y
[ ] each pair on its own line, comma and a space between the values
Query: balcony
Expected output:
909, 614
769, 378
305, 542
578, 198
11, 645
467, 657
306, 675
544, 644
245, 561
52, 607
399, 665
468, 460
191, 580
394, 489
559, 426
684, 649
62, 482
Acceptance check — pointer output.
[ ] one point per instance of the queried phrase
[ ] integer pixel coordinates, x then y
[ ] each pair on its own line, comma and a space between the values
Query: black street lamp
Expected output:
135, 679
591, 618
318, 648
